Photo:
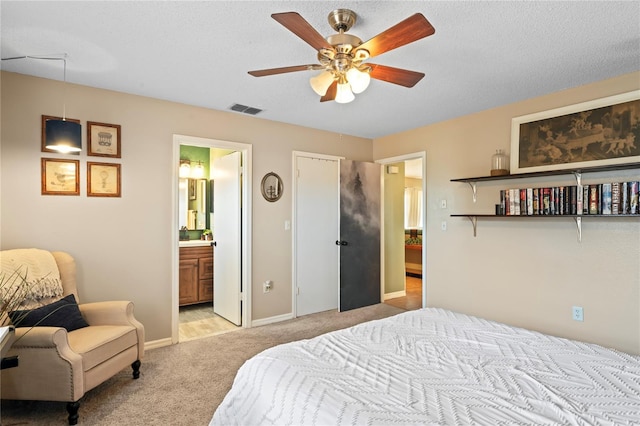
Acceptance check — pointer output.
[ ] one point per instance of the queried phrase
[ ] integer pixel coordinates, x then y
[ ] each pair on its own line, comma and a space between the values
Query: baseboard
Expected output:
395, 294
271, 320
155, 344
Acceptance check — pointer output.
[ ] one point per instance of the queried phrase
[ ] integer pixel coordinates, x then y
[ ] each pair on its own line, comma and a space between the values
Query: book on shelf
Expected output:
633, 198
594, 198
579, 199
546, 197
529, 201
606, 198
615, 198
573, 200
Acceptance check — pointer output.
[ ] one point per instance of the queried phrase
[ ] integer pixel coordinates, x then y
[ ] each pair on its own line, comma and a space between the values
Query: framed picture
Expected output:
60, 177
103, 139
43, 137
103, 179
192, 189
596, 133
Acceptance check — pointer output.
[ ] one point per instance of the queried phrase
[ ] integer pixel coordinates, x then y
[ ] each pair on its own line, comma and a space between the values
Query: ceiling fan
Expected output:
342, 57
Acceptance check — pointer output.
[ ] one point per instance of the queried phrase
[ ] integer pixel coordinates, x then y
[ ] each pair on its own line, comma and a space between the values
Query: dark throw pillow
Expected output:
63, 313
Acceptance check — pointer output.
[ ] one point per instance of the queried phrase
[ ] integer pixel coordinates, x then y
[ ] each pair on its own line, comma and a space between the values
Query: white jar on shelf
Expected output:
499, 163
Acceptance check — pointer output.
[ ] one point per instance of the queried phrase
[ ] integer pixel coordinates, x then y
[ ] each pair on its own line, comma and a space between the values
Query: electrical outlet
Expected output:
443, 225
267, 286
443, 204
577, 313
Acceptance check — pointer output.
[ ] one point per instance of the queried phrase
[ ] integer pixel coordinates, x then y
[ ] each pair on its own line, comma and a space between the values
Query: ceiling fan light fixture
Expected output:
344, 95
359, 80
321, 82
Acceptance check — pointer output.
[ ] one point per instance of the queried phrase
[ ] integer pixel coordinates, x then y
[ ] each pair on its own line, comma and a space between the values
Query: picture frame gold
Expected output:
60, 176
103, 179
104, 139
601, 132
43, 136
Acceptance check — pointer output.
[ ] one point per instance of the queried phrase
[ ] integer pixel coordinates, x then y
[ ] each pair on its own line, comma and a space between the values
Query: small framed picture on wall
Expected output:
103, 139
103, 179
60, 177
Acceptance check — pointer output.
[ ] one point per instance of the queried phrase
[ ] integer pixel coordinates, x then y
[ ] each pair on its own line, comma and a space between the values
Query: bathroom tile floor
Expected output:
197, 321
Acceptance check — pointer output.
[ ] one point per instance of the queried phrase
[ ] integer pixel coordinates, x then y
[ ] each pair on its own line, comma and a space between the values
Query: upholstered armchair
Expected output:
59, 365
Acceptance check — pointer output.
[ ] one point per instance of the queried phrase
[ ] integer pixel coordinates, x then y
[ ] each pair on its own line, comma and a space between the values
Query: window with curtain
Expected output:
413, 217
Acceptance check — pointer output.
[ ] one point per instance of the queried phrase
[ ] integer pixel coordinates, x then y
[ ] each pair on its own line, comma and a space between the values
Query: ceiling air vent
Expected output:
246, 109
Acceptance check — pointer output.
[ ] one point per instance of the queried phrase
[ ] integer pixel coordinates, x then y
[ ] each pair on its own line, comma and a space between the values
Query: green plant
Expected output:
206, 232
14, 289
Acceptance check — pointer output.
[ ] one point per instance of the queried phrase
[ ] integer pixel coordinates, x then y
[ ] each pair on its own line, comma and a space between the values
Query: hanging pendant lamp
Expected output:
63, 136
60, 135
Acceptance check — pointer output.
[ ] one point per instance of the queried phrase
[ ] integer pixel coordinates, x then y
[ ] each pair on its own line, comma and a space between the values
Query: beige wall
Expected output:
123, 245
527, 273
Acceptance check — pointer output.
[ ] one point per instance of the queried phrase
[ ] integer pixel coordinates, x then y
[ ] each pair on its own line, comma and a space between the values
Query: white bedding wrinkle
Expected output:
435, 367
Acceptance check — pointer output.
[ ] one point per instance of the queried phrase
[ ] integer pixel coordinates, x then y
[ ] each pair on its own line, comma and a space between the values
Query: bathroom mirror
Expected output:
192, 204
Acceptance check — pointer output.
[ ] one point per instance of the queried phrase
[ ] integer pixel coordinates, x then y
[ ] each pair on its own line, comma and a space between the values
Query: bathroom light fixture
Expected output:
185, 169
60, 135
198, 170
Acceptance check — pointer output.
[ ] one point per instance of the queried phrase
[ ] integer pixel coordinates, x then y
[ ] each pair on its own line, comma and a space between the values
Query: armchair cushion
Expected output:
63, 313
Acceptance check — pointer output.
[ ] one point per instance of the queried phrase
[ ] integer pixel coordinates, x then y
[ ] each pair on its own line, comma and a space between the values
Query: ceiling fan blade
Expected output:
411, 29
399, 76
283, 70
300, 27
331, 92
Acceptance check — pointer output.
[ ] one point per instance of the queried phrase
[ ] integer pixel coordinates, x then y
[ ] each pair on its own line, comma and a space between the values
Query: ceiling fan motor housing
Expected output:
342, 20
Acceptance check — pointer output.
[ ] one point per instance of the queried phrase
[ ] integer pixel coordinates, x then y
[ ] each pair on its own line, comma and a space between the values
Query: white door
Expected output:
227, 237
316, 268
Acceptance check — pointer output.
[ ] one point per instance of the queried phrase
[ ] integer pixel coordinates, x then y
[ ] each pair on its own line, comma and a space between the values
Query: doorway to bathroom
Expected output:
210, 267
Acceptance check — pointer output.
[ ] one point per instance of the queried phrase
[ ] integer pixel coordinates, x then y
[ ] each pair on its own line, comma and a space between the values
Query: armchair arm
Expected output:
48, 369
119, 312
41, 337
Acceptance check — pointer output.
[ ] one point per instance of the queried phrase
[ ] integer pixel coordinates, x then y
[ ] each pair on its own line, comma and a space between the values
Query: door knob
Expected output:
341, 243
214, 244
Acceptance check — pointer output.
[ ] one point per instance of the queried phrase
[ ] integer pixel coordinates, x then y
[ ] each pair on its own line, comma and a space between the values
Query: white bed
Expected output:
434, 366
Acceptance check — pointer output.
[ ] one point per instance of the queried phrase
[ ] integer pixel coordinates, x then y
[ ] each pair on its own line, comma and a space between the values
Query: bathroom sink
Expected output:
195, 243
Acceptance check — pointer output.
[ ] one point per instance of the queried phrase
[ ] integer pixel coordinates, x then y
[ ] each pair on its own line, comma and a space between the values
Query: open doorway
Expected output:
196, 264
404, 254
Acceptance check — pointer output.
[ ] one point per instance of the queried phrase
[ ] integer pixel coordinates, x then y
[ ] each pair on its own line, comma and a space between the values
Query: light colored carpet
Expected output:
183, 384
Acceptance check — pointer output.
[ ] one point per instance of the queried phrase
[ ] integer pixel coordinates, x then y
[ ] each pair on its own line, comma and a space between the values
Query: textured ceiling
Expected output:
483, 54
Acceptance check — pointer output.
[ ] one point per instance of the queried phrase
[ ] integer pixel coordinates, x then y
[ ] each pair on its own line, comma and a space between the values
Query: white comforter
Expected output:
434, 366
